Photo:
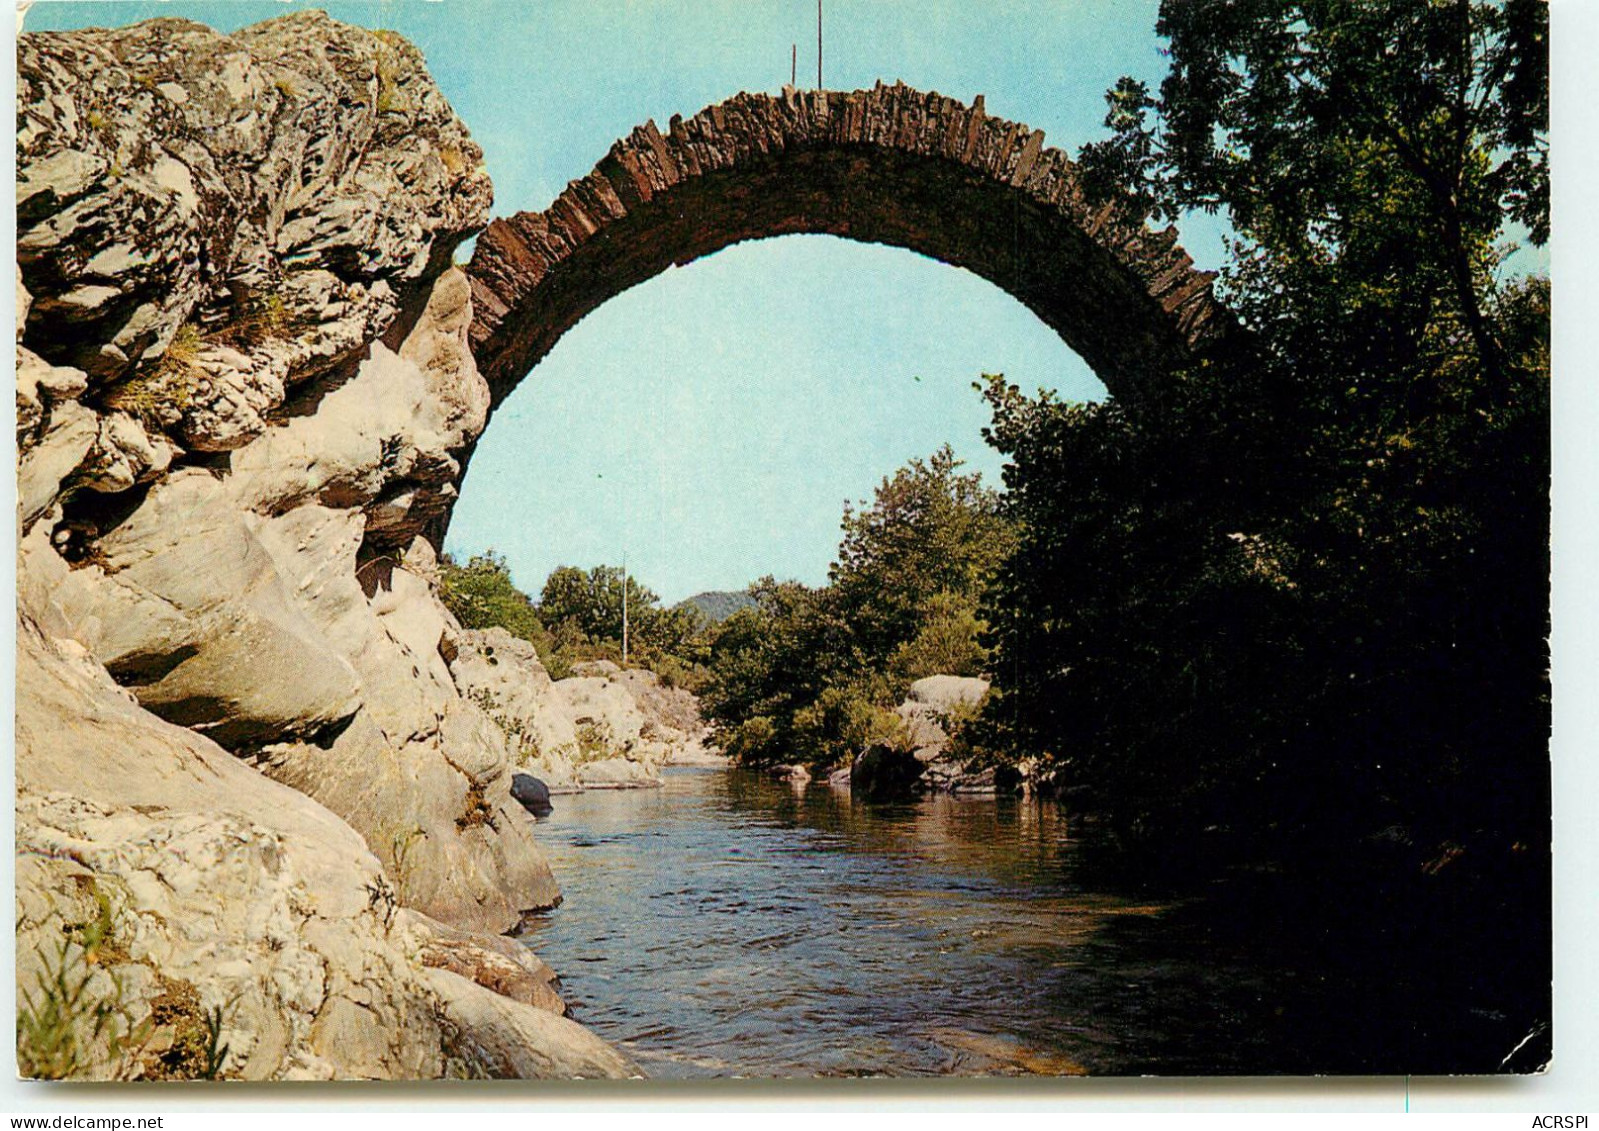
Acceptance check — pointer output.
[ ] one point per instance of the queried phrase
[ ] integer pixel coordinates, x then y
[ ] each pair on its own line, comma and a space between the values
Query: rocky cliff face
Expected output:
244, 391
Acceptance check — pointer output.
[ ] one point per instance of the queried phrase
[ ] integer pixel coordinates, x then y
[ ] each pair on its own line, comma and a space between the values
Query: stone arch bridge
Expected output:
889, 165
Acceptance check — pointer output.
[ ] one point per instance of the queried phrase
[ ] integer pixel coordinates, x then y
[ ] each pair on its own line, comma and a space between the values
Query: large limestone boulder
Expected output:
604, 728
922, 760
927, 711
275, 191
189, 892
928, 706
249, 608
245, 396
518, 1041
492, 961
885, 772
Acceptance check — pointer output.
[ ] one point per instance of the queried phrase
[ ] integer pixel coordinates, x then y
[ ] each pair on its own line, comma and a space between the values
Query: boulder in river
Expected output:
532, 793
882, 772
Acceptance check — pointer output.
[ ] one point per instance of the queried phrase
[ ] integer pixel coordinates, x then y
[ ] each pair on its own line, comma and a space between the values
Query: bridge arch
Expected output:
890, 165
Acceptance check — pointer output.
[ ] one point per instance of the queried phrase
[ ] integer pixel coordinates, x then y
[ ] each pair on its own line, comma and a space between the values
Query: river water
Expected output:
729, 925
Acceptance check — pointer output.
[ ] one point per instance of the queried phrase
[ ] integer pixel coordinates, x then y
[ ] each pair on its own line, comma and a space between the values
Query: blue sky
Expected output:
710, 423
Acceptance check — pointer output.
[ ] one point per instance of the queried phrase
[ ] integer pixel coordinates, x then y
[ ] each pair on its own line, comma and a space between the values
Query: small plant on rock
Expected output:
76, 1019
195, 1050
70, 1015
164, 390
593, 741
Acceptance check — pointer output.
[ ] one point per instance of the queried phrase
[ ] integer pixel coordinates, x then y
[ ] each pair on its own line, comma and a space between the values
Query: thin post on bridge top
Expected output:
818, 44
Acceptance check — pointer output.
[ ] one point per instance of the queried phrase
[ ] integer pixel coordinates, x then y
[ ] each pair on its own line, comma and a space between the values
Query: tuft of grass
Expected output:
453, 160
388, 74
593, 742
97, 936
78, 1021
68, 1022
264, 317
403, 842
165, 388
63, 1021
196, 1050
478, 811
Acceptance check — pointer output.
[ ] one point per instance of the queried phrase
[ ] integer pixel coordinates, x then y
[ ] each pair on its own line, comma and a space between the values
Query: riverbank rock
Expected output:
927, 711
514, 1041
178, 882
603, 728
929, 705
246, 395
616, 773
883, 772
696, 753
796, 774
492, 961
275, 598
923, 762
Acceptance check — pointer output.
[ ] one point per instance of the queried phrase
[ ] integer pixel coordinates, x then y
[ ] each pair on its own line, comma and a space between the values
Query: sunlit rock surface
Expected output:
602, 728
244, 398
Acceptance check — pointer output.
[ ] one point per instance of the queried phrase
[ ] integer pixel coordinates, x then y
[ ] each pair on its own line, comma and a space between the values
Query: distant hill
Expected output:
718, 606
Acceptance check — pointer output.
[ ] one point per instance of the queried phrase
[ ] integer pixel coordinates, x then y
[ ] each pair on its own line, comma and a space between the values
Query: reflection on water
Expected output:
730, 925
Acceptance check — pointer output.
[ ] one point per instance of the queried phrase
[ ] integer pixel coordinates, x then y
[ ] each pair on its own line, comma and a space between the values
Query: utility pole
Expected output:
818, 44
624, 610
793, 64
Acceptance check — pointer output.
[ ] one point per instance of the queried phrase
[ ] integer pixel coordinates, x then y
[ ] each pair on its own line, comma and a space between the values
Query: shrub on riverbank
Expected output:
579, 617
813, 675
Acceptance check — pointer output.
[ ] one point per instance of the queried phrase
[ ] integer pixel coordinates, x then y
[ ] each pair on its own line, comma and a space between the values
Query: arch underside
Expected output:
891, 166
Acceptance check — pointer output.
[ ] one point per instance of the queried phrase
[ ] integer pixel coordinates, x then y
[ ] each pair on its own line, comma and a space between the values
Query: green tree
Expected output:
481, 594
1370, 150
593, 601
584, 609
813, 675
1302, 595
928, 543
768, 662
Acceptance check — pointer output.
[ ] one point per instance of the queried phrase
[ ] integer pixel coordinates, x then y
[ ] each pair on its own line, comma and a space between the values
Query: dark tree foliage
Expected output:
1369, 149
1300, 600
1291, 613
